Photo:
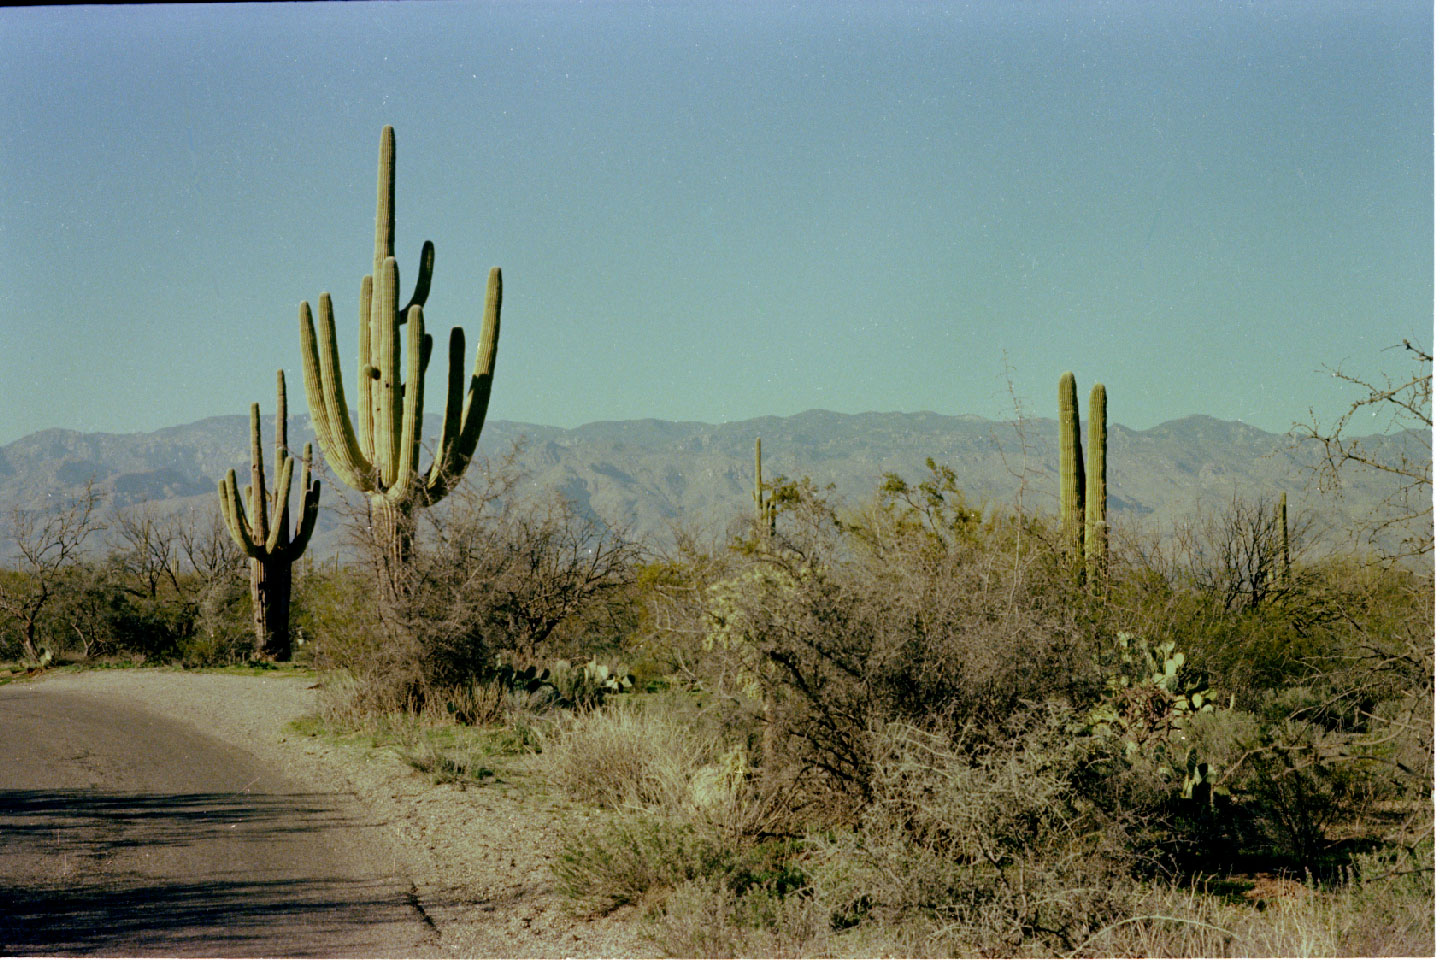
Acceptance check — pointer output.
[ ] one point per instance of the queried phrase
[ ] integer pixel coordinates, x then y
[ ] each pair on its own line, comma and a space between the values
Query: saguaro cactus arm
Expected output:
1282, 525
259, 520
759, 487
460, 433
325, 393
363, 382
264, 532
242, 528
413, 413
235, 520
309, 507
385, 225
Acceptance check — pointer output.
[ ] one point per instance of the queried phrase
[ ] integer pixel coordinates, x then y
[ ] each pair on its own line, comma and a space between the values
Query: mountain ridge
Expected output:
651, 474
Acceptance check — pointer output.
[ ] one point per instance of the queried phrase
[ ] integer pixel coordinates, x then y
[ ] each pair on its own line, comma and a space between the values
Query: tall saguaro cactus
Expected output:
382, 459
1083, 524
1072, 471
1097, 530
265, 535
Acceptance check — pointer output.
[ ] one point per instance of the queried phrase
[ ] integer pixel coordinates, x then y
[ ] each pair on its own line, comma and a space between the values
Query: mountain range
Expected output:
651, 475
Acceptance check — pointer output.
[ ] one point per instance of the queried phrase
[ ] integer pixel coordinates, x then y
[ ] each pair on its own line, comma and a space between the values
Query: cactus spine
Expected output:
1096, 528
382, 460
270, 544
1072, 471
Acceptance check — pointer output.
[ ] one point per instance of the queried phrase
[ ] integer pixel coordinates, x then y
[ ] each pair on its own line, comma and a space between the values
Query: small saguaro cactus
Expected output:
1282, 531
1097, 530
265, 535
1083, 525
382, 461
1072, 471
764, 506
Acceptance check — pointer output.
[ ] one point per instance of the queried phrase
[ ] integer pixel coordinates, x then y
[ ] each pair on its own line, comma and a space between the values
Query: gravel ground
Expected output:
478, 858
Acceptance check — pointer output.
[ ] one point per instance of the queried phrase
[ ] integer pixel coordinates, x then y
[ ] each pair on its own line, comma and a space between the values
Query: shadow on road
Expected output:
220, 918
74, 821
184, 874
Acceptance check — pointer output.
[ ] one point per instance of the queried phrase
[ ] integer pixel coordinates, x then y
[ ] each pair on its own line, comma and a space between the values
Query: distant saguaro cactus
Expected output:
1097, 530
383, 460
1084, 527
1282, 530
1072, 471
269, 543
764, 506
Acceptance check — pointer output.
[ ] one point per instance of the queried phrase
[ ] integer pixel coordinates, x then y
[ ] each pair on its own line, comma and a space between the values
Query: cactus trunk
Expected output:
382, 461
1282, 524
392, 525
270, 583
1097, 530
1072, 472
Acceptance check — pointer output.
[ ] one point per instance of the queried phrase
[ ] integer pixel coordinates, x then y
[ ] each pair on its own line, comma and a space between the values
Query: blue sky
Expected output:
716, 211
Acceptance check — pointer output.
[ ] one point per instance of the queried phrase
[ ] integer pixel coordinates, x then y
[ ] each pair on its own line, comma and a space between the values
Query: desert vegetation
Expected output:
913, 725
898, 726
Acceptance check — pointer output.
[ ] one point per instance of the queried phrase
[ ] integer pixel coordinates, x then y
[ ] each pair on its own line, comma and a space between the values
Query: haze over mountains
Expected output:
651, 475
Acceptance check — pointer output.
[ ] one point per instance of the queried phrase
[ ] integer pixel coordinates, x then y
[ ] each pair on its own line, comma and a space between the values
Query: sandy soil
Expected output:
478, 858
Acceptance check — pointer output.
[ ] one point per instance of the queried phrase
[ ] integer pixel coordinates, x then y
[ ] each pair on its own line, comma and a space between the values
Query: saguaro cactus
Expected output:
1083, 524
764, 506
1096, 527
1282, 530
269, 543
1072, 471
382, 460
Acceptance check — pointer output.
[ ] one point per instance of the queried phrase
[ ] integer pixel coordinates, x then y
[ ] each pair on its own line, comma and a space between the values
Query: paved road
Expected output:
126, 833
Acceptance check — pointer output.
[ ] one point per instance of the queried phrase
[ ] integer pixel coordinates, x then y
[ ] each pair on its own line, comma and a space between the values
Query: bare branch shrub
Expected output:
914, 610
49, 542
1402, 405
494, 571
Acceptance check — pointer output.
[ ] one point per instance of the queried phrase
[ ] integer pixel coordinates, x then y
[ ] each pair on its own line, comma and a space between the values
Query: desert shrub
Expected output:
1374, 911
675, 807
930, 616
494, 574
978, 848
222, 632
707, 918
634, 855
375, 672
617, 756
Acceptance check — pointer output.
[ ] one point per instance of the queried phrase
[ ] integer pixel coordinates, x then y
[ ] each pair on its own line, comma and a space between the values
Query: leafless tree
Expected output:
1237, 555
49, 542
495, 569
524, 567
147, 553
207, 549
1402, 404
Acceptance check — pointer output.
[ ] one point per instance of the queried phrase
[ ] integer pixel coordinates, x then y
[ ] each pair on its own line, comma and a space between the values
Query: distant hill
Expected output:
653, 474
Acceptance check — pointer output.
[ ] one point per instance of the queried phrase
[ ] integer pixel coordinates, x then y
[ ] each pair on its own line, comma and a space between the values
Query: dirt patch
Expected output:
478, 858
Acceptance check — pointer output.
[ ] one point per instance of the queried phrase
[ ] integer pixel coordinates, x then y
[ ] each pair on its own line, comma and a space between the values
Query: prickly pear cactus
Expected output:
1149, 693
564, 685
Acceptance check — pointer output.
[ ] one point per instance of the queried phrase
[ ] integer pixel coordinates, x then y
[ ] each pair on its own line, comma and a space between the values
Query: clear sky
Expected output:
720, 210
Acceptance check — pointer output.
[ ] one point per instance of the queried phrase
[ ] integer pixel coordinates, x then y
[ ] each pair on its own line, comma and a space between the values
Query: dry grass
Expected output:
619, 756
